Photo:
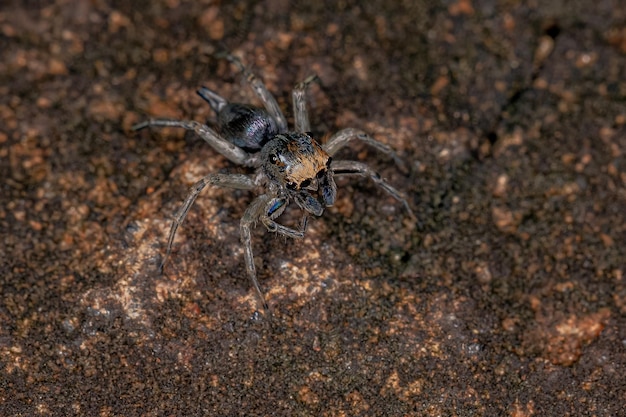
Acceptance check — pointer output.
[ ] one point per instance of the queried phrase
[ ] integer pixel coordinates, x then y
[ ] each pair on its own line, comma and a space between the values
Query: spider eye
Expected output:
321, 174
305, 183
291, 185
273, 158
330, 159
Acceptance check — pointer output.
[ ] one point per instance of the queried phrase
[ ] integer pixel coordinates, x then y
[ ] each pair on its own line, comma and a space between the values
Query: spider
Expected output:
289, 164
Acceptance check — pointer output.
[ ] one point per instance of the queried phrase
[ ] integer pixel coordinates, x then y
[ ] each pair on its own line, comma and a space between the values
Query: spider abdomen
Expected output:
247, 127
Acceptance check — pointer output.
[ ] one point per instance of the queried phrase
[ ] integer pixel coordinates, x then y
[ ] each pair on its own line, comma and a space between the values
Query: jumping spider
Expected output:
291, 165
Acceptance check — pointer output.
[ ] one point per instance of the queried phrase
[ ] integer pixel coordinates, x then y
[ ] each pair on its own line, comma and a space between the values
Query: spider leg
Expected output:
236, 181
221, 145
265, 208
269, 102
273, 226
359, 168
344, 136
300, 112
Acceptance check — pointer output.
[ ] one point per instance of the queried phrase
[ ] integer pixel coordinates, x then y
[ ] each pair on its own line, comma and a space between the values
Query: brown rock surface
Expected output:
507, 299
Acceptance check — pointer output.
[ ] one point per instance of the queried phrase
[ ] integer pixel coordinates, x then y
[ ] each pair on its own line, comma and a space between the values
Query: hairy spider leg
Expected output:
265, 208
301, 115
221, 145
342, 138
235, 181
359, 168
259, 88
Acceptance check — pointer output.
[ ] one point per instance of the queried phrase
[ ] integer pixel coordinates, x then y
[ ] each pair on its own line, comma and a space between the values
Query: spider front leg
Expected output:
300, 112
235, 181
221, 145
269, 102
359, 168
343, 137
264, 208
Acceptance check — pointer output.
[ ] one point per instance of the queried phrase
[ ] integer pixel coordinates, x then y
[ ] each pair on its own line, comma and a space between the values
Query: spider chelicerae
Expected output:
289, 164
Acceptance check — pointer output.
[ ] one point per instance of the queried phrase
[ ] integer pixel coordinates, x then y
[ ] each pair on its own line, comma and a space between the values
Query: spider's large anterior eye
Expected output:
291, 185
305, 183
273, 158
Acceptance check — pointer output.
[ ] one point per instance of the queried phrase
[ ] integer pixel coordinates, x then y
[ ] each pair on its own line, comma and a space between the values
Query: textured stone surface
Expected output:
508, 298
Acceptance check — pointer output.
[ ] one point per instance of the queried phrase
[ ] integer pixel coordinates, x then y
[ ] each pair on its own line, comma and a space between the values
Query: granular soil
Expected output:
506, 297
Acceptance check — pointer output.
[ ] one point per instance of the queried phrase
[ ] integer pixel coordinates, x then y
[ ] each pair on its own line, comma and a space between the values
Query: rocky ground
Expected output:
506, 297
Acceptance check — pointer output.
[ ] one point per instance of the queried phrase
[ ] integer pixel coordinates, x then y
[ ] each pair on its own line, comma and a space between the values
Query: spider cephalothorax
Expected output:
289, 163
298, 163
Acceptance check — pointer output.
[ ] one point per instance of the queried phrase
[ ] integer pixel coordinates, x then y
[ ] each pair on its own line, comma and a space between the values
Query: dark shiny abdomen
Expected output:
246, 126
